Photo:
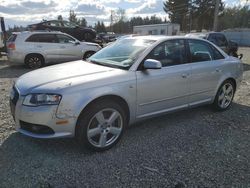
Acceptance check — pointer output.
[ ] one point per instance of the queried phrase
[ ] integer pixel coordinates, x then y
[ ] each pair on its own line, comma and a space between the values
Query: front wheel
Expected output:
101, 125
88, 54
224, 96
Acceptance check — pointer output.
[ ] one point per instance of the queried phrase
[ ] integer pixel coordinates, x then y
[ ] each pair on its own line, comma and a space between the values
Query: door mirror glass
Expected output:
152, 64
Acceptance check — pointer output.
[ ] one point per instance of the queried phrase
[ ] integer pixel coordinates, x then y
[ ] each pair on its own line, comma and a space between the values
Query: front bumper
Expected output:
44, 116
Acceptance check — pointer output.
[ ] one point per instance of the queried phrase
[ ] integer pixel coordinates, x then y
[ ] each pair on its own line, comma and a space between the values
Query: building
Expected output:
157, 29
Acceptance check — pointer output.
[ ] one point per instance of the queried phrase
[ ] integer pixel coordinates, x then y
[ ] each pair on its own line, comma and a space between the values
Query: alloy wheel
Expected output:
104, 128
225, 95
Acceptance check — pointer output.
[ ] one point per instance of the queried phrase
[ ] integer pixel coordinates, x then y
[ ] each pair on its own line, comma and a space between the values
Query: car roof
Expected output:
164, 37
38, 32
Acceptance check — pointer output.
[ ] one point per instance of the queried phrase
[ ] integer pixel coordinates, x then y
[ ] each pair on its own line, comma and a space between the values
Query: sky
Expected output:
24, 12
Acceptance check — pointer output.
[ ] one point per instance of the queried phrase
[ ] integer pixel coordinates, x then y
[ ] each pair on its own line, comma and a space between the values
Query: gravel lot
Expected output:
191, 148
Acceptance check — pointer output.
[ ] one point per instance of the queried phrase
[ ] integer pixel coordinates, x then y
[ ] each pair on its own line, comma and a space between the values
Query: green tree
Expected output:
178, 11
72, 16
203, 13
82, 22
59, 17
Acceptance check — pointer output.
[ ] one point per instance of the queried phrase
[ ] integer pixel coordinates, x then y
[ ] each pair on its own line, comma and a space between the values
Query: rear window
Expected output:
46, 38
12, 38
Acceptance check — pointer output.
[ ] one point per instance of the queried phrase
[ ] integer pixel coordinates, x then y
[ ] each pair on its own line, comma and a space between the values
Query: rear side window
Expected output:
12, 38
217, 54
200, 51
64, 39
44, 38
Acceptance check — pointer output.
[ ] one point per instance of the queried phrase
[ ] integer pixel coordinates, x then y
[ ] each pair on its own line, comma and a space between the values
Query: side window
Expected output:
171, 52
221, 40
64, 39
43, 38
199, 51
212, 38
217, 54
55, 24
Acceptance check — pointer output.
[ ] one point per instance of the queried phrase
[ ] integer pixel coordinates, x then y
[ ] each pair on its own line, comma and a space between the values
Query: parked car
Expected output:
80, 33
36, 49
130, 80
218, 38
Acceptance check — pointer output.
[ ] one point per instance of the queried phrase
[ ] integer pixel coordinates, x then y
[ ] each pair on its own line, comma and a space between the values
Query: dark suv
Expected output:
228, 46
80, 33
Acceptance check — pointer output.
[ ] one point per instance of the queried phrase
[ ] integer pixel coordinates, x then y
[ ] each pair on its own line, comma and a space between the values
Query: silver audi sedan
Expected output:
130, 80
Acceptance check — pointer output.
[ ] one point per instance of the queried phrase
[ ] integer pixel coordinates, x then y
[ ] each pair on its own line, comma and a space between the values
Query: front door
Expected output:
164, 89
68, 49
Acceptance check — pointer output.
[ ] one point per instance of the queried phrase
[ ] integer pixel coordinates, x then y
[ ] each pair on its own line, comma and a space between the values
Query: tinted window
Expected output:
171, 52
54, 24
12, 38
69, 24
216, 54
200, 51
46, 38
64, 39
221, 40
212, 38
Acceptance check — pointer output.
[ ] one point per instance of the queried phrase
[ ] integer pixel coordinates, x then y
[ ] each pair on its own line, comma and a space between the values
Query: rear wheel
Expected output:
34, 61
101, 126
224, 96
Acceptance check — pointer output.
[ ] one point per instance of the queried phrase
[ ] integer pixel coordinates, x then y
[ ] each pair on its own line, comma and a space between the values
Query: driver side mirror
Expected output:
152, 64
74, 42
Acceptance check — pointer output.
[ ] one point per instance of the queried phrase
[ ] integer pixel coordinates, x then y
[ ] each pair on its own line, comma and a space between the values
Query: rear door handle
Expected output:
62, 47
39, 46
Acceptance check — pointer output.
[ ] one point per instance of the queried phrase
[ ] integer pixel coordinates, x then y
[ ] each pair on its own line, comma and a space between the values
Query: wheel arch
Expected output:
222, 81
88, 51
35, 54
120, 100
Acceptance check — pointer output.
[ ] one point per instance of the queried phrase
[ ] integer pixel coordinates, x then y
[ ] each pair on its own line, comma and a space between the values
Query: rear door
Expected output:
45, 44
167, 88
206, 71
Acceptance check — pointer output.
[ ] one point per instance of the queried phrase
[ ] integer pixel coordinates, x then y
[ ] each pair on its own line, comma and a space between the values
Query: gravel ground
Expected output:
191, 148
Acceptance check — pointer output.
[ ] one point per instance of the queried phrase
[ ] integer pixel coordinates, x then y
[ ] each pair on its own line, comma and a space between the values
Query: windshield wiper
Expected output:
107, 64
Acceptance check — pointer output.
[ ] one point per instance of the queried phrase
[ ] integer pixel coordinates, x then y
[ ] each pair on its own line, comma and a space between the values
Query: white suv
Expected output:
36, 49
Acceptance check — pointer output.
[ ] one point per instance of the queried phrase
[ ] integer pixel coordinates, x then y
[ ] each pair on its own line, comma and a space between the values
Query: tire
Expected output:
88, 54
224, 96
101, 125
34, 61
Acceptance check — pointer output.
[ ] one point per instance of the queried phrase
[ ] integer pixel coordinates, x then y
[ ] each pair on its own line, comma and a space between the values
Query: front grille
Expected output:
35, 128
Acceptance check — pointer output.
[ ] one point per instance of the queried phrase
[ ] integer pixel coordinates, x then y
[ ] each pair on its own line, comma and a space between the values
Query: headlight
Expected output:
41, 99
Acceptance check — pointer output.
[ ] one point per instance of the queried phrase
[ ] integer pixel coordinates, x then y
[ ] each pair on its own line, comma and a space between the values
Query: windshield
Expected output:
121, 54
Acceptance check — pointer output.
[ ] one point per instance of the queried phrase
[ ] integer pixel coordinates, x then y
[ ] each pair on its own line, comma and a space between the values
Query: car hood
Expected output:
54, 78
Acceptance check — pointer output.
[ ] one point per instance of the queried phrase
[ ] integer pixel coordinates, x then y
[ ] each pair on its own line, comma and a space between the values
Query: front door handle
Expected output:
62, 47
185, 75
218, 70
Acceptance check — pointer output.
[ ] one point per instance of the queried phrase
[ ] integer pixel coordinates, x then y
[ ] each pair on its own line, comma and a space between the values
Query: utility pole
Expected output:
216, 13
